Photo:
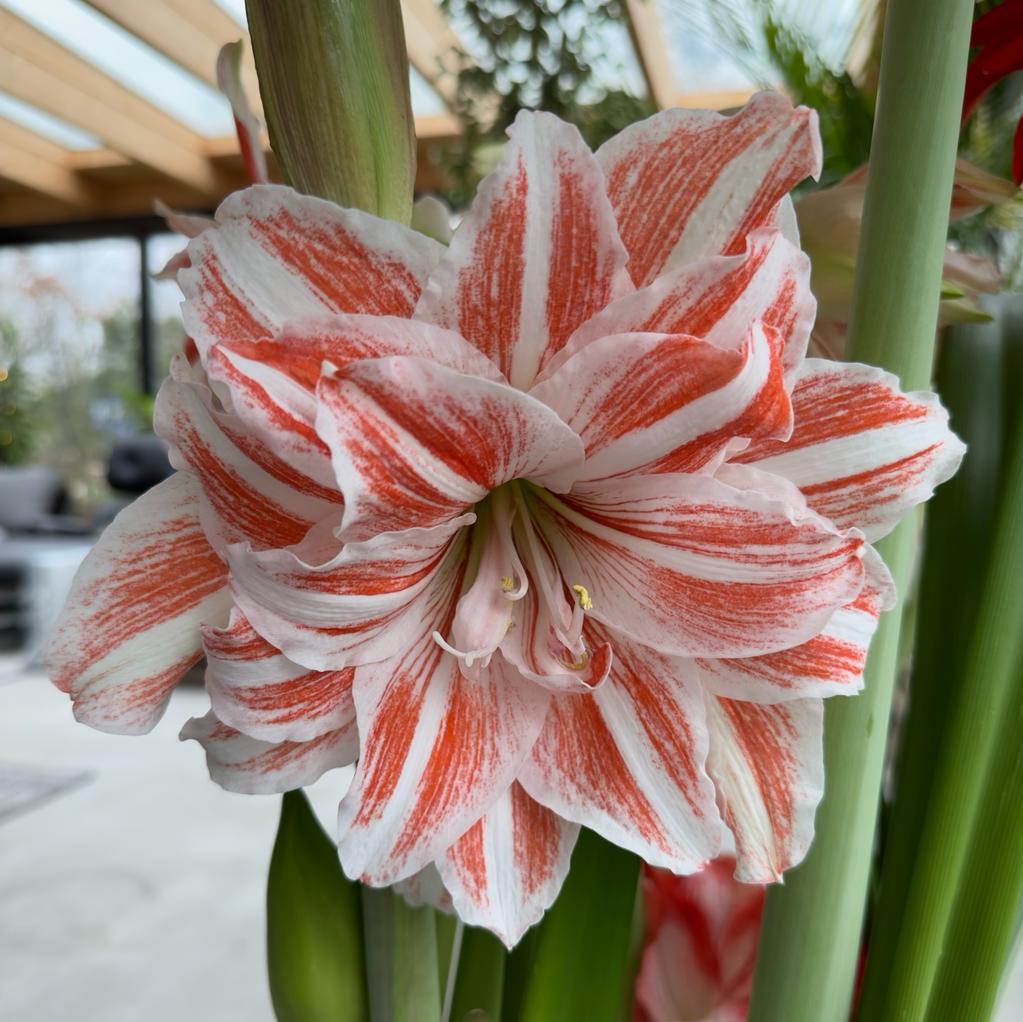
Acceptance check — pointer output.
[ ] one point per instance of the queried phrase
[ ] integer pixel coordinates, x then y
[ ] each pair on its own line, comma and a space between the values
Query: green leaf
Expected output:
401, 958
577, 963
313, 923
962, 770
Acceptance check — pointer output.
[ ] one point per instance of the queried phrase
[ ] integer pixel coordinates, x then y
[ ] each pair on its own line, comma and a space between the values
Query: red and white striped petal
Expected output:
686, 184
251, 493
328, 609
717, 298
271, 383
254, 687
438, 751
415, 443
767, 762
627, 761
646, 403
861, 451
537, 254
252, 767
829, 664
691, 566
275, 255
130, 627
507, 869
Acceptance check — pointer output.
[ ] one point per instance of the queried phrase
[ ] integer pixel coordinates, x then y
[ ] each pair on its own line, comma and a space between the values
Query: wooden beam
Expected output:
36, 163
431, 46
713, 100
40, 71
647, 34
189, 32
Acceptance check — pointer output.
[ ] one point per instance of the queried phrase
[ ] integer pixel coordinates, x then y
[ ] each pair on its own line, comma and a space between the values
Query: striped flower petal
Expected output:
252, 767
767, 762
829, 664
251, 494
668, 403
275, 255
689, 565
686, 184
415, 443
438, 751
271, 383
328, 607
861, 451
628, 761
717, 298
254, 687
537, 255
507, 869
130, 627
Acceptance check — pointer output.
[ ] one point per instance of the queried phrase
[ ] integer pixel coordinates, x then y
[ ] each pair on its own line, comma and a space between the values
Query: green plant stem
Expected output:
959, 527
401, 959
995, 651
982, 930
480, 982
810, 937
579, 964
333, 76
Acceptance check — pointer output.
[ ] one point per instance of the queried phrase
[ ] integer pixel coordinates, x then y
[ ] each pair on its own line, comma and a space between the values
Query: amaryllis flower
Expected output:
552, 527
700, 946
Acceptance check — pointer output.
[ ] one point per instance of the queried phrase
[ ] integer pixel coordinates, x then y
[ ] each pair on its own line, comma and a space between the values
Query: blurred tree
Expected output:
16, 398
531, 54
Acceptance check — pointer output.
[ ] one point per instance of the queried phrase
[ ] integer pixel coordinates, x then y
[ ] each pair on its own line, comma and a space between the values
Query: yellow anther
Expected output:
507, 583
583, 596
576, 665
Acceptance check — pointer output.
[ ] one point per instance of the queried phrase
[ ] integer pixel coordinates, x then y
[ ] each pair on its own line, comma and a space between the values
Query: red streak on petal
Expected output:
338, 267
535, 843
490, 288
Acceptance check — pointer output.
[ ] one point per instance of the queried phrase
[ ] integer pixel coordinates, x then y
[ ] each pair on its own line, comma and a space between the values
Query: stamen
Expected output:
583, 595
507, 583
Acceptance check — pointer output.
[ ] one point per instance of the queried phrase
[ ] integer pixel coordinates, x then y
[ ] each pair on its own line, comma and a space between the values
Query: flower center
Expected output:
514, 593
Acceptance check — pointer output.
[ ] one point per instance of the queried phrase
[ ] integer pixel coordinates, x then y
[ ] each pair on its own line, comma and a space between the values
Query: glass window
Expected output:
71, 357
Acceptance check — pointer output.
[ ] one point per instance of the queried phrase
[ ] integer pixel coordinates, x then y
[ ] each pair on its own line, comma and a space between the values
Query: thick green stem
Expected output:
810, 939
995, 652
959, 526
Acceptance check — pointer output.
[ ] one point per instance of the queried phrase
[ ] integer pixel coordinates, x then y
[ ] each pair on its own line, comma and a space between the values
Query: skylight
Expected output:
44, 124
131, 62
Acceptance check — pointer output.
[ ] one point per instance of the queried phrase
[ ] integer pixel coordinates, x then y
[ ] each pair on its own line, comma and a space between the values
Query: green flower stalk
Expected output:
810, 939
333, 75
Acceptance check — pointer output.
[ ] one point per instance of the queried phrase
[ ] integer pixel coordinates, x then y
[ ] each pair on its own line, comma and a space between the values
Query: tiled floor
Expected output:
131, 887
136, 893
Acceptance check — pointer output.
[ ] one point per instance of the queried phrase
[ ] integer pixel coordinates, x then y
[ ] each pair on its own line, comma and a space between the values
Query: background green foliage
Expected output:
531, 54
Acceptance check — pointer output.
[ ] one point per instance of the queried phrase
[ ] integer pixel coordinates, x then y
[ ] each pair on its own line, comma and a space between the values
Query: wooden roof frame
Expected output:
146, 152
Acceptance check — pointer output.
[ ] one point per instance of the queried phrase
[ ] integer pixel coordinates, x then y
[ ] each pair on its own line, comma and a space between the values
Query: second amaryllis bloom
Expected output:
555, 526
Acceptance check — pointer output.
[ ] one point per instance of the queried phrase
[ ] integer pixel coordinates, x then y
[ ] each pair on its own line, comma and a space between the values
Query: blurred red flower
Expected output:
701, 943
998, 39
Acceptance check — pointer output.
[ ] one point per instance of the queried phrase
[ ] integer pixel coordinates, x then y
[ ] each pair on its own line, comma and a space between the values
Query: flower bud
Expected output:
333, 75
